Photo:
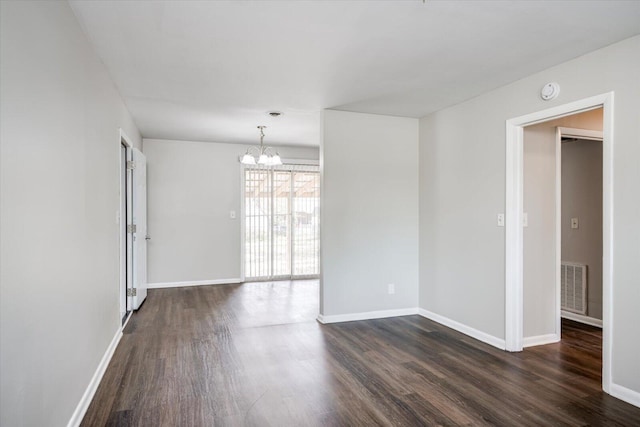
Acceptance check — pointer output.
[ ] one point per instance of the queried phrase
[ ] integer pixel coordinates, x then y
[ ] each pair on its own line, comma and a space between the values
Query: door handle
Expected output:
147, 237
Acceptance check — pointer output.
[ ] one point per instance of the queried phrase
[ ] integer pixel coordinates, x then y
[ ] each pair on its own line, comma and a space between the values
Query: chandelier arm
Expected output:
254, 148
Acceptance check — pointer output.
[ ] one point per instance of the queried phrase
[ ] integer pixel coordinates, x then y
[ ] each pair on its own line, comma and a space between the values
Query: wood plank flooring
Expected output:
253, 355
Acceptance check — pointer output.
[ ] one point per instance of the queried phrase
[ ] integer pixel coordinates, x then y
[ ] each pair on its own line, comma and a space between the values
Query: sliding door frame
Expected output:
243, 230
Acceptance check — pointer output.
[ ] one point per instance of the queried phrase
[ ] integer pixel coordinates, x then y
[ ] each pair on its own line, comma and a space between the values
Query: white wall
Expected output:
462, 188
191, 189
582, 199
59, 304
539, 285
539, 245
369, 212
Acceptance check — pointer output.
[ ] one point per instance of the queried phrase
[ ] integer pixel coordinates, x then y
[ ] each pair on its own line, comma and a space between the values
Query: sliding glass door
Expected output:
281, 206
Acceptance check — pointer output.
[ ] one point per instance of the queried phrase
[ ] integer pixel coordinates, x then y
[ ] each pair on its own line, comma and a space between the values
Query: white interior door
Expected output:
124, 218
140, 234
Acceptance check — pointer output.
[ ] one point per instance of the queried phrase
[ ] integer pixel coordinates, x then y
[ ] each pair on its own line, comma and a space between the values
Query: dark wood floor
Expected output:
253, 355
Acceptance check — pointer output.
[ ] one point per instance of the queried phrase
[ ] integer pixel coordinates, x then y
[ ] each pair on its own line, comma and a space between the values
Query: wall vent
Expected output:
573, 287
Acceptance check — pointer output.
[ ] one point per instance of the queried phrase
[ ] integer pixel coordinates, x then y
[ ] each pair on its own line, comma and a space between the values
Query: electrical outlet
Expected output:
391, 288
501, 220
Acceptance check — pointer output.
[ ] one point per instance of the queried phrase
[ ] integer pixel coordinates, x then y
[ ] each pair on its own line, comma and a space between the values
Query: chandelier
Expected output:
263, 155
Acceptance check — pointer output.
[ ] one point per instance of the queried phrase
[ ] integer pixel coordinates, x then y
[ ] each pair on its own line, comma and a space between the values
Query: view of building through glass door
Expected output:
282, 219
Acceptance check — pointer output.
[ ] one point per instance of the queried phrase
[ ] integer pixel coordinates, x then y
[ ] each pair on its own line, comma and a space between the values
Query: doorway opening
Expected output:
281, 222
523, 216
562, 221
581, 219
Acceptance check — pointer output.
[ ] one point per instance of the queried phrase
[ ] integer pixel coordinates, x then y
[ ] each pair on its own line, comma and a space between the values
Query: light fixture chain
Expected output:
261, 138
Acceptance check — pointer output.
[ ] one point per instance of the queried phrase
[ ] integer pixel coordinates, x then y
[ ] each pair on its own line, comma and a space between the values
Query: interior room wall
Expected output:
369, 233
539, 244
462, 189
191, 189
540, 316
59, 181
582, 199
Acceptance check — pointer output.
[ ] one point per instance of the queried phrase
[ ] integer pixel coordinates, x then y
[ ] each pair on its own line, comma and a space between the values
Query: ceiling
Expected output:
210, 71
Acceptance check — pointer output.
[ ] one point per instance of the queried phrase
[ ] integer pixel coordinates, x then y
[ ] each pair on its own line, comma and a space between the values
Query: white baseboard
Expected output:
467, 330
582, 319
626, 394
540, 340
85, 401
195, 283
367, 315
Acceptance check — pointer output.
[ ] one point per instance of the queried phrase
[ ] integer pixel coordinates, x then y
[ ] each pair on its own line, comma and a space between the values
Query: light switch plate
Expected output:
501, 220
525, 219
232, 214
574, 223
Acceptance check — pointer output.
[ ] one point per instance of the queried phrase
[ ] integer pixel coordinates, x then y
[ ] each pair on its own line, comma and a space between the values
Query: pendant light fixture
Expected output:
264, 155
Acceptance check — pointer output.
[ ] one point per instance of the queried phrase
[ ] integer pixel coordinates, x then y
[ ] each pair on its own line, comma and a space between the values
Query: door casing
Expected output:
514, 200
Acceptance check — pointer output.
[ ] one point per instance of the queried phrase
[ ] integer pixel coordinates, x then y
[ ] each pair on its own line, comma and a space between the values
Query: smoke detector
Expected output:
550, 91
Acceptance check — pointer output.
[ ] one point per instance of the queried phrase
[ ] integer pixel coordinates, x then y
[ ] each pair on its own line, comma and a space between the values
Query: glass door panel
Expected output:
306, 223
281, 223
257, 223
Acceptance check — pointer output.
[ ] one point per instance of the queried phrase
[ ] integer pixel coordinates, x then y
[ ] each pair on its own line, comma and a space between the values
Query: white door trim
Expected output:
594, 135
558, 231
139, 220
513, 216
